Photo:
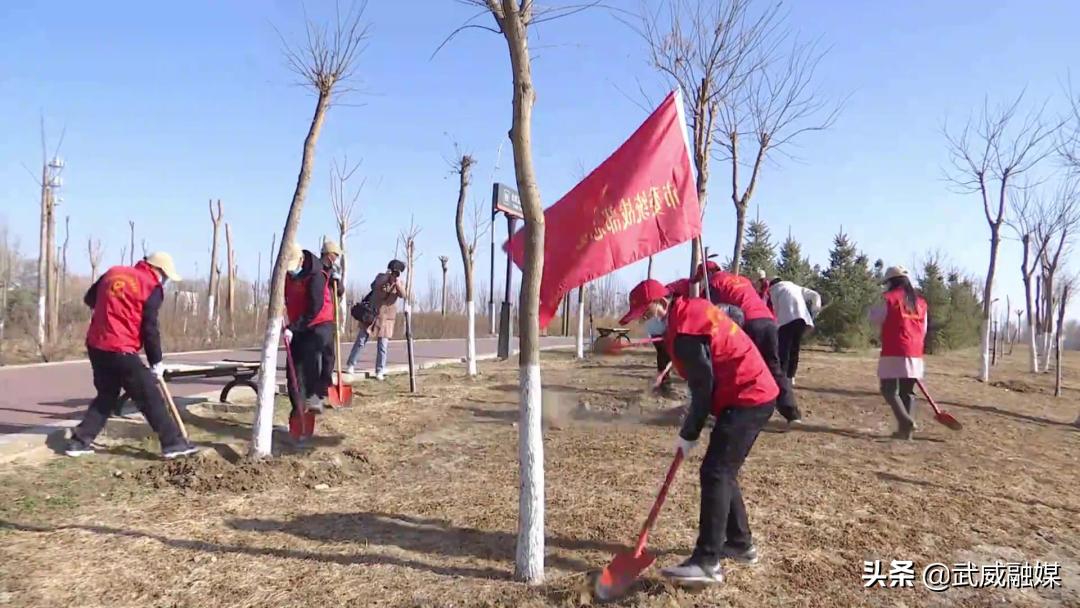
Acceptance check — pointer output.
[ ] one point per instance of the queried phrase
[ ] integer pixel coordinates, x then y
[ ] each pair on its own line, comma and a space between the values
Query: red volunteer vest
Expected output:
116, 325
740, 376
727, 288
296, 298
902, 332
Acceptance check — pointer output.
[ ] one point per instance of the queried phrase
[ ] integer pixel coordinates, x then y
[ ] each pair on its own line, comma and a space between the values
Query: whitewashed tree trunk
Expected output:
470, 341
530, 541
264, 414
1033, 354
580, 350
984, 354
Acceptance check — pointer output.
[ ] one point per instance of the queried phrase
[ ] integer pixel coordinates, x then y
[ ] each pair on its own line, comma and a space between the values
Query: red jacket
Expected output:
740, 376
118, 299
903, 332
680, 288
727, 288
298, 297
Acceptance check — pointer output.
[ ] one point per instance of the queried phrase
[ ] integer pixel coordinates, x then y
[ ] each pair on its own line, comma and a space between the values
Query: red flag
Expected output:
640, 201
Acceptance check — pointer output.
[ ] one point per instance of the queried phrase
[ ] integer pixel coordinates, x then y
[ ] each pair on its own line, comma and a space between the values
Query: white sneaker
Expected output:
380, 376
314, 404
350, 370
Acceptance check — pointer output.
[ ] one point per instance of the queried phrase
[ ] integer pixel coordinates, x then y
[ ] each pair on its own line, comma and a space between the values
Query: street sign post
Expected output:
504, 200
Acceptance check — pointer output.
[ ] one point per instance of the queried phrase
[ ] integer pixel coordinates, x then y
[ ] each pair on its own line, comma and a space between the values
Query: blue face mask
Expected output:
656, 326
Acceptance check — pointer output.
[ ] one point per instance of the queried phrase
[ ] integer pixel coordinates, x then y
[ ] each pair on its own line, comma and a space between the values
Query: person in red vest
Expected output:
309, 306
901, 315
126, 301
728, 379
760, 325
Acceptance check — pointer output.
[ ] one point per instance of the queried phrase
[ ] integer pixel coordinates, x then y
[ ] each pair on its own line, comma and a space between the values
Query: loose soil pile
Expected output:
210, 473
411, 500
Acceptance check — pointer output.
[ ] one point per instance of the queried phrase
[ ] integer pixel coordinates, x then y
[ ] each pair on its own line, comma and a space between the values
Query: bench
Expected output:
617, 333
243, 373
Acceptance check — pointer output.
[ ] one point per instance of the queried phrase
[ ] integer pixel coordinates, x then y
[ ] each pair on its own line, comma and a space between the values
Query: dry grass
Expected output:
411, 500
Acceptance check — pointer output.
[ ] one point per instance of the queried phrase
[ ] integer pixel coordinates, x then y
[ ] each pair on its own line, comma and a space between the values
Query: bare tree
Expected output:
145, 251
213, 287
1059, 233
325, 62
49, 182
1066, 290
1029, 215
467, 244
131, 249
230, 294
513, 19
9, 256
347, 216
123, 255
63, 259
776, 105
408, 241
987, 155
443, 261
709, 50
94, 252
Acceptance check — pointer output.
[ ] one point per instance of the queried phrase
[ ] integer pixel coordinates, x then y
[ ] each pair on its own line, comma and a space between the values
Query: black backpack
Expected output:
364, 310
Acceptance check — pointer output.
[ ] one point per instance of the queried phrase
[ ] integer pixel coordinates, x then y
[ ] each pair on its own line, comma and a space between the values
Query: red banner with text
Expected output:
640, 201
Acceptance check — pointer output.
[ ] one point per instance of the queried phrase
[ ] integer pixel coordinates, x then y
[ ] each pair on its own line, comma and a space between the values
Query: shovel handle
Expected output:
290, 370
643, 538
929, 399
662, 375
175, 413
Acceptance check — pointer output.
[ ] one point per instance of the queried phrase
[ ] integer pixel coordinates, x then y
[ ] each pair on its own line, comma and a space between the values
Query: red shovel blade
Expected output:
302, 425
948, 420
620, 574
339, 395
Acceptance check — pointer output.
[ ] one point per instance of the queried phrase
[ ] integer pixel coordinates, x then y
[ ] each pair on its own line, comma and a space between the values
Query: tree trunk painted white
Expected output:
581, 323
984, 351
530, 540
470, 342
262, 434
1048, 342
1033, 349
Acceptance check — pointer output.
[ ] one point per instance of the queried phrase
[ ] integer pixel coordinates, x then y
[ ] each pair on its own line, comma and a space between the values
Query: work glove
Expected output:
158, 369
335, 275
288, 335
686, 446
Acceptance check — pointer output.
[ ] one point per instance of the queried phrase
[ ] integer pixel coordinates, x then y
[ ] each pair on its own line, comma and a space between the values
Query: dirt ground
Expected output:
412, 500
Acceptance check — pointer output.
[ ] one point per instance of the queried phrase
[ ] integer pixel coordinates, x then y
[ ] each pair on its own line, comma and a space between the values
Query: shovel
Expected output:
625, 567
340, 394
175, 413
614, 346
301, 424
940, 415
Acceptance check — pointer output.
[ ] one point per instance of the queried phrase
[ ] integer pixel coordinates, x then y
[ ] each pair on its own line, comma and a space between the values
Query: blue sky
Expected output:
169, 104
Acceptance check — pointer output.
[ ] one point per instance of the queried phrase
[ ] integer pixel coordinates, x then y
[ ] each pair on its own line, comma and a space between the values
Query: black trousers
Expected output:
763, 333
899, 393
116, 371
790, 337
662, 360
723, 516
314, 359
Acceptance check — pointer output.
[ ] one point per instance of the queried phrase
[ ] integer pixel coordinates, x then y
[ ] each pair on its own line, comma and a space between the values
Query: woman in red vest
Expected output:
729, 379
901, 315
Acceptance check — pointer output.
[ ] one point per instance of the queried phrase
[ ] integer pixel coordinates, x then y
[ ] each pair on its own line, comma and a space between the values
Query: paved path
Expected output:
38, 398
